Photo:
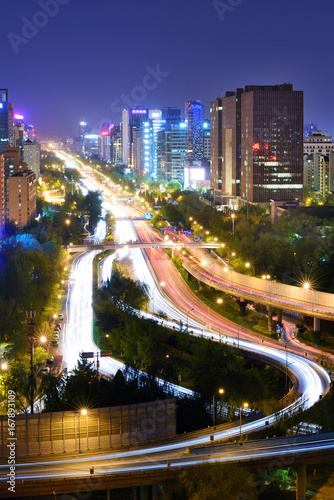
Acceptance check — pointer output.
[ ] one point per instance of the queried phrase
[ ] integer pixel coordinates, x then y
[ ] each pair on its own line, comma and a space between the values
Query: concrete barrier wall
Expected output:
287, 297
100, 428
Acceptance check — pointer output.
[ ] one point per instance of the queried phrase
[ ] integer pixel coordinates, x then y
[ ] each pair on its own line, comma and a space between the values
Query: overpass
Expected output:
141, 244
124, 469
304, 301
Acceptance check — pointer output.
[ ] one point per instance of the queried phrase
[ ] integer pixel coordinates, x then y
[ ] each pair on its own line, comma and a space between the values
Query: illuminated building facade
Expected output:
4, 120
319, 173
206, 140
194, 118
22, 198
175, 151
32, 156
2, 194
257, 145
154, 143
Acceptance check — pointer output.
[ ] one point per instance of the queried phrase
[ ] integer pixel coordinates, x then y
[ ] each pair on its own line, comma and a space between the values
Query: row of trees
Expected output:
175, 355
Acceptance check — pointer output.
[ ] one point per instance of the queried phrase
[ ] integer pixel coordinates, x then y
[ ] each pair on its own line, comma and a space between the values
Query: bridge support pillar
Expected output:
145, 492
279, 316
270, 315
199, 285
242, 306
301, 482
156, 492
316, 324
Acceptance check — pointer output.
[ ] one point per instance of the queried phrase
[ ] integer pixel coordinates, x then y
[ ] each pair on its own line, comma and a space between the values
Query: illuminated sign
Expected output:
1, 105
148, 216
139, 111
18, 117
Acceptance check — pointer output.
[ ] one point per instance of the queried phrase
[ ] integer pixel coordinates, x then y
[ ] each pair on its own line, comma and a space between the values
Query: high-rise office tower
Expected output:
154, 143
2, 194
132, 120
257, 144
104, 145
206, 139
194, 118
175, 151
116, 145
126, 143
4, 120
84, 129
19, 134
32, 156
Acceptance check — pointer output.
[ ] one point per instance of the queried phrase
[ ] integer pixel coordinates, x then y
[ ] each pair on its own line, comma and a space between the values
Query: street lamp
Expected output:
245, 405
249, 266
220, 391
162, 284
33, 339
232, 217
82, 412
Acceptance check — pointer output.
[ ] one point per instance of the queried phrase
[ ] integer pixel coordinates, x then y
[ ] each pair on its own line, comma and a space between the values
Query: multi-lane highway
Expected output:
180, 304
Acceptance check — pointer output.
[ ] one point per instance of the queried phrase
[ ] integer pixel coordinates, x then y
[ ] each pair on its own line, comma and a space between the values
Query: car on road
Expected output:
60, 317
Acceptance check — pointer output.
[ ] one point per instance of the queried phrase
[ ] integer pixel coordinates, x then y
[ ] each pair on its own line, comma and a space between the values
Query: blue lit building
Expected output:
175, 151
4, 120
194, 117
154, 144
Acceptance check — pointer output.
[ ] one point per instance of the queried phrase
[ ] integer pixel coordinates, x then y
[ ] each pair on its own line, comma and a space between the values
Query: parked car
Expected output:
45, 370
60, 317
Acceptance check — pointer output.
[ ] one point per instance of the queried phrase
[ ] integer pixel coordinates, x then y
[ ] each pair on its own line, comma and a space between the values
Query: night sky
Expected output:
78, 65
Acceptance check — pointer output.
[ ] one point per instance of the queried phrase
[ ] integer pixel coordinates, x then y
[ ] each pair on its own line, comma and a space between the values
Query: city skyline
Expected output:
70, 62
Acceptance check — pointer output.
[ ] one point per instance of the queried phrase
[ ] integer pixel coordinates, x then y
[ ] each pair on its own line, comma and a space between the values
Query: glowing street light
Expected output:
220, 391
245, 405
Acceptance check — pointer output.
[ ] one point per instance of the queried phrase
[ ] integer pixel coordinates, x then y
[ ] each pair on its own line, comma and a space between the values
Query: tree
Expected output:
220, 481
174, 185
93, 206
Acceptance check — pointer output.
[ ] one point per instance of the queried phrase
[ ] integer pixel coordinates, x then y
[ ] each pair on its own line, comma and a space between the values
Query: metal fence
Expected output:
100, 428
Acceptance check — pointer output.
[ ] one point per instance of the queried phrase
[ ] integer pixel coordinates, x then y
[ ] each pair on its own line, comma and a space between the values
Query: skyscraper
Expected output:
32, 156
175, 151
2, 194
257, 144
4, 120
194, 118
154, 143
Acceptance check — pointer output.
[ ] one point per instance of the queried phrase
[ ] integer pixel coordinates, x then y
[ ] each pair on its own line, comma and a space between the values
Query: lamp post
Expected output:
249, 266
31, 323
220, 391
245, 405
162, 284
232, 217
82, 412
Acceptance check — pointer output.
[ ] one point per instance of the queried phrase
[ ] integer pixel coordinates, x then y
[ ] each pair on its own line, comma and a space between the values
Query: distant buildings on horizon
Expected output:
19, 166
254, 149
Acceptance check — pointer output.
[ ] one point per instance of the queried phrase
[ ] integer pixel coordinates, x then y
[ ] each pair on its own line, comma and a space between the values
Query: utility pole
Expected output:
31, 323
